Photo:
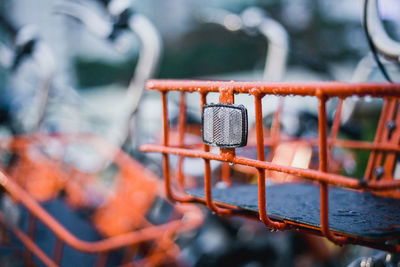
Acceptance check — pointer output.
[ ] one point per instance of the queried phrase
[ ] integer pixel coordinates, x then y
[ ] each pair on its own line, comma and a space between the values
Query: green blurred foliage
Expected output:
91, 73
212, 50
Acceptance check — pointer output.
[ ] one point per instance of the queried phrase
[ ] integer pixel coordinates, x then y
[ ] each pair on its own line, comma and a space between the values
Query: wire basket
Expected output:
127, 209
314, 198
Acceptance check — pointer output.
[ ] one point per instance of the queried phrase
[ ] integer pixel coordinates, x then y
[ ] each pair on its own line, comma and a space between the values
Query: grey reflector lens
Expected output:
224, 125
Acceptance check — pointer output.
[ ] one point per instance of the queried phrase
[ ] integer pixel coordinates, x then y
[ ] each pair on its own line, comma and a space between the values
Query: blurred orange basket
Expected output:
299, 186
124, 201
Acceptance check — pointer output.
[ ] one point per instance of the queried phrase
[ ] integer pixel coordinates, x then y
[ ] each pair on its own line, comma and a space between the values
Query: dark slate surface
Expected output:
353, 213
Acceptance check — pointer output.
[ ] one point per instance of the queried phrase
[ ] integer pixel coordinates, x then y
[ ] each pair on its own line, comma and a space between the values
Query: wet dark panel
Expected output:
358, 214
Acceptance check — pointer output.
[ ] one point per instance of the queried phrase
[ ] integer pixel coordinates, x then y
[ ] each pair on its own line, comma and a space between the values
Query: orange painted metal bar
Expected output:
390, 160
167, 178
329, 89
323, 91
203, 101
377, 139
226, 173
276, 124
382, 137
31, 234
102, 259
29, 243
330, 178
323, 167
275, 136
261, 172
181, 127
207, 174
336, 122
226, 96
58, 251
364, 145
353, 144
343, 143
335, 128
385, 137
149, 233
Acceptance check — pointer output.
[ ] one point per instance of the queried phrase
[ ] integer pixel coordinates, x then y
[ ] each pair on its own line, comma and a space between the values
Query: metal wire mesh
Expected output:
383, 144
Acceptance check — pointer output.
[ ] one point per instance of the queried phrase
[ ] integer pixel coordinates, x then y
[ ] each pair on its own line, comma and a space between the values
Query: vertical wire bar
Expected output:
226, 173
226, 96
165, 118
3, 235
207, 174
323, 149
275, 132
378, 137
167, 182
206, 147
166, 170
384, 137
261, 172
390, 160
323, 167
181, 126
259, 129
130, 253
207, 166
276, 125
58, 250
31, 233
336, 121
335, 129
102, 259
29, 244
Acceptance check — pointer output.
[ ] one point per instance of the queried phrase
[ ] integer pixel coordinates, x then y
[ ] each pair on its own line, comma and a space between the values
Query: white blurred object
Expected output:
10, 210
99, 25
382, 41
149, 54
29, 45
116, 7
385, 46
6, 56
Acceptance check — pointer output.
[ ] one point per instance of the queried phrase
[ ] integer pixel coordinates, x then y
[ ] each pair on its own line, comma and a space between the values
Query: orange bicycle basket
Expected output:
121, 208
315, 199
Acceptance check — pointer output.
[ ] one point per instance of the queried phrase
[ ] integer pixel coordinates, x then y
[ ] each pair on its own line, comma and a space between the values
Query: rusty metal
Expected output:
132, 175
382, 150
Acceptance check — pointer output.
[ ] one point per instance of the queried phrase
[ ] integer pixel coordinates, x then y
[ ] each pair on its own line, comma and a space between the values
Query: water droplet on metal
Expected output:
379, 171
368, 99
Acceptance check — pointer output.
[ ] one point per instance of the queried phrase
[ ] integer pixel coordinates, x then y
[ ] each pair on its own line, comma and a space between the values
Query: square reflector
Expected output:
224, 125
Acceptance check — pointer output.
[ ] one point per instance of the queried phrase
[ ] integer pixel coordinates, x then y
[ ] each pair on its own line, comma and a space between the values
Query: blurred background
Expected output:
207, 39
326, 37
